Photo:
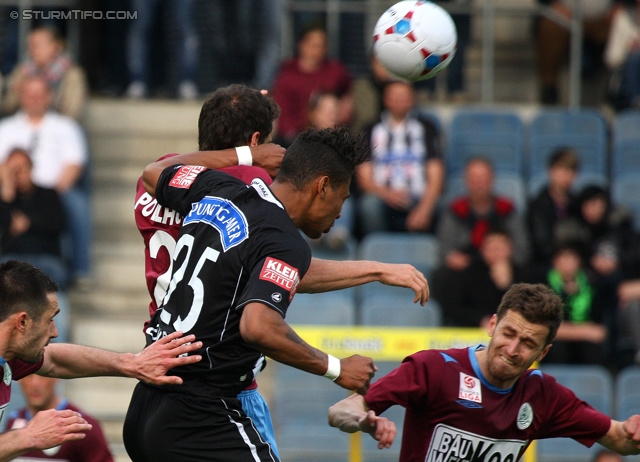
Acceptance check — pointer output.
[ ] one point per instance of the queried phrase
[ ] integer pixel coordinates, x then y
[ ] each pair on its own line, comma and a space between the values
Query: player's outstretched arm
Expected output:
352, 415
45, 430
623, 437
68, 361
268, 156
264, 328
327, 275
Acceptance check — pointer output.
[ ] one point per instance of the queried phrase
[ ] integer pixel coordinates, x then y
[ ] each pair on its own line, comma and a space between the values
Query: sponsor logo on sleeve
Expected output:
281, 274
185, 176
224, 216
470, 388
449, 444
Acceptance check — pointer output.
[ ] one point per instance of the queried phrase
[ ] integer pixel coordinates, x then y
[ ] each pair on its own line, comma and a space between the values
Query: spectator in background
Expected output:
403, 181
552, 204
582, 336
466, 220
622, 55
605, 236
267, 42
48, 59
470, 295
32, 220
552, 42
183, 45
58, 150
308, 72
367, 94
40, 395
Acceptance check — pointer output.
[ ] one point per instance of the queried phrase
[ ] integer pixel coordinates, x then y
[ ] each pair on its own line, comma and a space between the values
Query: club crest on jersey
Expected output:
185, 176
224, 216
280, 274
470, 388
525, 416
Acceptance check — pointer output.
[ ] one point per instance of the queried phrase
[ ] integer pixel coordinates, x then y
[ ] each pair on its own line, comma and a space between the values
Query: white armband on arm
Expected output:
333, 370
244, 155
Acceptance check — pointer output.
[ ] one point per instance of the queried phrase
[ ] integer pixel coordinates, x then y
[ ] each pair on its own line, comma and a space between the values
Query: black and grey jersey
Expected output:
237, 245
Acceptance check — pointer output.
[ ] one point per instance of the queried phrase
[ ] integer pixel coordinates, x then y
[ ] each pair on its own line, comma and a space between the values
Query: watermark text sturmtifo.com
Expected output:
73, 14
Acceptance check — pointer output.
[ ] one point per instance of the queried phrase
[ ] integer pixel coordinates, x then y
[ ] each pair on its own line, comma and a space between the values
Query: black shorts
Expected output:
164, 426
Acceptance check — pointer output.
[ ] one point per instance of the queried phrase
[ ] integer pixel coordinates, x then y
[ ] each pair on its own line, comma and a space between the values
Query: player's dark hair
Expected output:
334, 152
232, 114
23, 287
564, 157
537, 303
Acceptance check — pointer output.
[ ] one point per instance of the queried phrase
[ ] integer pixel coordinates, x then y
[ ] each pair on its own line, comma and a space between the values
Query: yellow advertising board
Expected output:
387, 343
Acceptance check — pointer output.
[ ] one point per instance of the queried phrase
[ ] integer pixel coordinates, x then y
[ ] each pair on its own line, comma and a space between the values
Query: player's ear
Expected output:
492, 324
322, 185
255, 139
545, 350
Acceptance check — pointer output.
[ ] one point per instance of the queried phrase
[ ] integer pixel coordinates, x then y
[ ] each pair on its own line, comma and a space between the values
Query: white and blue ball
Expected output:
415, 40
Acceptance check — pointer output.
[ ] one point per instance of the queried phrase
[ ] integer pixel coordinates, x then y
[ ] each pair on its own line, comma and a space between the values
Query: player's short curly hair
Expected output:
537, 303
232, 114
23, 287
334, 152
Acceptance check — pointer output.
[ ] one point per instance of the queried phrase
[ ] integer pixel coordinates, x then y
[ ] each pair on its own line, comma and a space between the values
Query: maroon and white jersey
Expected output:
13, 370
159, 227
454, 413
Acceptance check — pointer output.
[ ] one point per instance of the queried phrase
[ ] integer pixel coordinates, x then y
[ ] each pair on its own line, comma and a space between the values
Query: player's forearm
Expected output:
209, 159
14, 443
328, 275
348, 413
623, 437
264, 329
68, 361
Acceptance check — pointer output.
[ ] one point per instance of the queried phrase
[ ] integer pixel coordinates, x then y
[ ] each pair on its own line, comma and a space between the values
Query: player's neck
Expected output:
294, 201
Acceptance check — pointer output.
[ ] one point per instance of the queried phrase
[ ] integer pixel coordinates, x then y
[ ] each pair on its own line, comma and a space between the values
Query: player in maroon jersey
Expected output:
485, 400
28, 306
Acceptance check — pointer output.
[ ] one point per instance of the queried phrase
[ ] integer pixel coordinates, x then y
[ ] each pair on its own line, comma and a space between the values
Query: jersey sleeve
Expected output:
179, 186
20, 369
275, 274
405, 386
570, 417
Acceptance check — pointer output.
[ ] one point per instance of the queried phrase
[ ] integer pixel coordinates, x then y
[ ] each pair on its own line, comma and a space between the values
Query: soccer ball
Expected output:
415, 40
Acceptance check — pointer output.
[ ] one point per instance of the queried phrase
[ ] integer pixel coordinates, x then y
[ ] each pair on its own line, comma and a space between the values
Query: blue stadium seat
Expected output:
496, 135
591, 383
385, 310
329, 308
626, 143
585, 131
419, 250
505, 184
625, 191
300, 406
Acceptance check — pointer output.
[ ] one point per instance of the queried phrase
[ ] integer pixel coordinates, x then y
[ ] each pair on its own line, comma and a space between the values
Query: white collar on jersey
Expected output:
265, 192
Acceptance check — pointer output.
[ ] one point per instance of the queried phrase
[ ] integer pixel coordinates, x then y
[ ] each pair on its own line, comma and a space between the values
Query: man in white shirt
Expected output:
58, 148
